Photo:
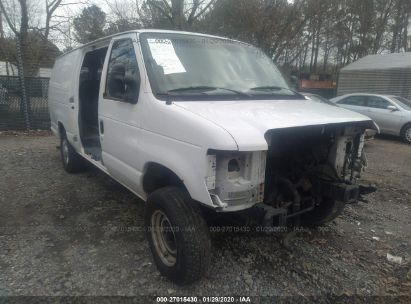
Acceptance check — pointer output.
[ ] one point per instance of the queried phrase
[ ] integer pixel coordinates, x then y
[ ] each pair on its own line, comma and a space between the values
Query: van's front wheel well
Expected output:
157, 176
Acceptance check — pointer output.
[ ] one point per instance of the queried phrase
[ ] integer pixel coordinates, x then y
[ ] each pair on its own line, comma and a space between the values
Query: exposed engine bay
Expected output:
304, 168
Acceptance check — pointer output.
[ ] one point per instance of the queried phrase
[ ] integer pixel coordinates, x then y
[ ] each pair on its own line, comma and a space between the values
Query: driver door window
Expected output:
123, 76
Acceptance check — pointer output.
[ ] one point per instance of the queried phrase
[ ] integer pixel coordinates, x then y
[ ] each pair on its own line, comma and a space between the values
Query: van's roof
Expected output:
146, 31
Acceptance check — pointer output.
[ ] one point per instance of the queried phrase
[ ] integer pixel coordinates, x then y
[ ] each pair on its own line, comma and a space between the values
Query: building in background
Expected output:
8, 69
378, 74
44, 72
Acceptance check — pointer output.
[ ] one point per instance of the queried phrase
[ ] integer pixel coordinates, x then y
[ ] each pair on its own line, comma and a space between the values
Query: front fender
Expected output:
187, 161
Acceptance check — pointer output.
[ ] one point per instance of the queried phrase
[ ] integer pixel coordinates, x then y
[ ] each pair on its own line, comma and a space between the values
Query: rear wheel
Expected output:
327, 211
178, 235
406, 134
72, 162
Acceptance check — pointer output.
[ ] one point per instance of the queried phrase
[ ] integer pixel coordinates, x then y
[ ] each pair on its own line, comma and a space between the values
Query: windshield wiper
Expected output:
192, 88
205, 89
269, 88
276, 88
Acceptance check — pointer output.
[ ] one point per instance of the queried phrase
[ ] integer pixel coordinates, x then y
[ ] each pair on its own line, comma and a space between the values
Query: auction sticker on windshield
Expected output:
164, 54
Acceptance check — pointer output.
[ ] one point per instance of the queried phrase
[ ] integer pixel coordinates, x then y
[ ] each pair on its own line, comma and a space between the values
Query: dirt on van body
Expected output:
66, 235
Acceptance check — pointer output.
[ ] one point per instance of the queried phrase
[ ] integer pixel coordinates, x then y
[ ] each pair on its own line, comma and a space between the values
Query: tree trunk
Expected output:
405, 35
177, 14
304, 60
396, 29
317, 49
1, 25
312, 52
394, 39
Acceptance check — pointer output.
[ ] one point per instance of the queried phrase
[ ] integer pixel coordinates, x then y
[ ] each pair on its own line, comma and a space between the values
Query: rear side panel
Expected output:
63, 101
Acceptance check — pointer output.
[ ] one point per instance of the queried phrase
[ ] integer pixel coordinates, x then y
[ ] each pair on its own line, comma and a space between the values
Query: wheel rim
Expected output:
164, 239
65, 151
408, 134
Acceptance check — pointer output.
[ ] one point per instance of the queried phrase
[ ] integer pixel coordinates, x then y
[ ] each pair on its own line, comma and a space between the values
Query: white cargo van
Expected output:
193, 123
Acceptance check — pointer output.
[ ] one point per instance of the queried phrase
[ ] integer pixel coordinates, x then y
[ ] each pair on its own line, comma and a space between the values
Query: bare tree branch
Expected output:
8, 19
166, 14
204, 9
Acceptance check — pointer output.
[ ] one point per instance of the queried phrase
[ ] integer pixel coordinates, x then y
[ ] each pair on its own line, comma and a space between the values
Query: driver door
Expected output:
120, 112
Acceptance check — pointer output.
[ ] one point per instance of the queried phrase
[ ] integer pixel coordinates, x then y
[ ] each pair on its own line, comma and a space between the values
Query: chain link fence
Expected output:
13, 114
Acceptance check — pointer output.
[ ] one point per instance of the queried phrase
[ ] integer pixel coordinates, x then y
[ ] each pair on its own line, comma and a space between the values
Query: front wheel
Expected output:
406, 134
178, 235
325, 212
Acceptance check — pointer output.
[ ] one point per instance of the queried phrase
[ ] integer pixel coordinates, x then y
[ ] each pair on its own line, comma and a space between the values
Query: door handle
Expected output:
101, 127
71, 100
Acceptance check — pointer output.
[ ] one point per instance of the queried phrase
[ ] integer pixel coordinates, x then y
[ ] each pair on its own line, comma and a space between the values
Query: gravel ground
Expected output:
68, 235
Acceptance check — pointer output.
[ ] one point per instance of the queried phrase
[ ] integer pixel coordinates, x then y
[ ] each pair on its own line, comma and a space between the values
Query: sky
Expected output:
68, 13
37, 15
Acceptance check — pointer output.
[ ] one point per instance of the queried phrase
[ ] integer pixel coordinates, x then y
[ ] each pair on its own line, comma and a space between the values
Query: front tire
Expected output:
406, 134
328, 210
178, 235
72, 162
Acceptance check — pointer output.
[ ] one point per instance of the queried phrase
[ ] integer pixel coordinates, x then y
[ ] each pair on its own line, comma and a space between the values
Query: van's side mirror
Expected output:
116, 81
392, 108
123, 86
132, 88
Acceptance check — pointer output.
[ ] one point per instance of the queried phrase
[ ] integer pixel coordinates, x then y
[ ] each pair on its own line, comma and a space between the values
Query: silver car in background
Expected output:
391, 113
369, 133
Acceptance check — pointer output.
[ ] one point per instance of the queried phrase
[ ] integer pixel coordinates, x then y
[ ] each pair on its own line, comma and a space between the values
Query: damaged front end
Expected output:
307, 175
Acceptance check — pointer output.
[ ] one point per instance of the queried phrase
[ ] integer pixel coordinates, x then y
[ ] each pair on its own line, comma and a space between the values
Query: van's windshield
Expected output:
189, 67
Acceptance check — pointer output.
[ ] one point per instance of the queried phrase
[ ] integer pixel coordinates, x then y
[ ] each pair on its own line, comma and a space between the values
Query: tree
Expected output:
399, 27
26, 46
180, 14
152, 17
51, 7
90, 24
38, 53
275, 26
32, 42
312, 35
20, 32
126, 16
384, 10
1, 24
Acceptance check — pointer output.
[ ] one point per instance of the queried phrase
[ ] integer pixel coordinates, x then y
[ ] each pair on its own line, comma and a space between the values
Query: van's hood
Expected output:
248, 121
